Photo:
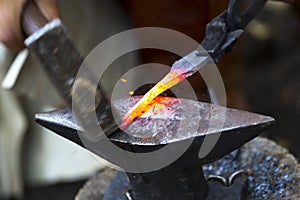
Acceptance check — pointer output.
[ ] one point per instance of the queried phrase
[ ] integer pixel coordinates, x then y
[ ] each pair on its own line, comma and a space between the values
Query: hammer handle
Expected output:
32, 19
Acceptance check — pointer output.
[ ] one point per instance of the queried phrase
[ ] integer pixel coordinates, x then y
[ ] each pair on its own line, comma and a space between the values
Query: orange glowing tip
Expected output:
171, 79
180, 70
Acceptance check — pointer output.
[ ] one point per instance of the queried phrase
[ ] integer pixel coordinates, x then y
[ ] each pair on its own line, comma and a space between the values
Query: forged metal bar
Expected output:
61, 60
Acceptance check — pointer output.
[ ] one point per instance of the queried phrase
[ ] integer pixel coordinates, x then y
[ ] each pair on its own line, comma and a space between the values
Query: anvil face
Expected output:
172, 120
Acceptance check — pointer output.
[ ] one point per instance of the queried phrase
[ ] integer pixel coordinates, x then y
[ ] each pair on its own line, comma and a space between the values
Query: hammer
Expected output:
52, 46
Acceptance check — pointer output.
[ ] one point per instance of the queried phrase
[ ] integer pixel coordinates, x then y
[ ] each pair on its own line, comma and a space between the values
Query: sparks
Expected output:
131, 92
123, 80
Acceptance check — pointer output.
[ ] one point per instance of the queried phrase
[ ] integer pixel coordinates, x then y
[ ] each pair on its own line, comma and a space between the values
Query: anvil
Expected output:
155, 130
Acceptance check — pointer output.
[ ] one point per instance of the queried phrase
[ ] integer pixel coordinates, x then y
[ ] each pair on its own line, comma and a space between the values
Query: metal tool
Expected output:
61, 60
221, 34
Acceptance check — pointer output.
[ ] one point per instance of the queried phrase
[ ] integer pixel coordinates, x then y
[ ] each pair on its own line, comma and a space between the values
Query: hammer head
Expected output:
171, 121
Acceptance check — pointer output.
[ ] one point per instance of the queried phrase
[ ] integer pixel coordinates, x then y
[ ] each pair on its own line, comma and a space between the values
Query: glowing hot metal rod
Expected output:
221, 34
181, 70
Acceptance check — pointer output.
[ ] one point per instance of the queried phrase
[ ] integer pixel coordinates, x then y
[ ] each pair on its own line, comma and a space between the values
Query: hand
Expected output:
10, 14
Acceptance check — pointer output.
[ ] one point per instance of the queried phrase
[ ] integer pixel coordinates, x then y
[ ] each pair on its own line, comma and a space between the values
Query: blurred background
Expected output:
261, 75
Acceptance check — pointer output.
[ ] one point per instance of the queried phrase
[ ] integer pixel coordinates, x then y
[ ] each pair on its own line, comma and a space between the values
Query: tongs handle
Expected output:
32, 19
238, 18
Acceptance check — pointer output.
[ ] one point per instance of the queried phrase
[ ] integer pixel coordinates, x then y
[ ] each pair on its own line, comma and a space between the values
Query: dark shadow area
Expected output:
62, 191
271, 71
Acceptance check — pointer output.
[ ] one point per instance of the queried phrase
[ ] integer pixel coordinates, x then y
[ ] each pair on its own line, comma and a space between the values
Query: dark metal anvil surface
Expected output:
161, 126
